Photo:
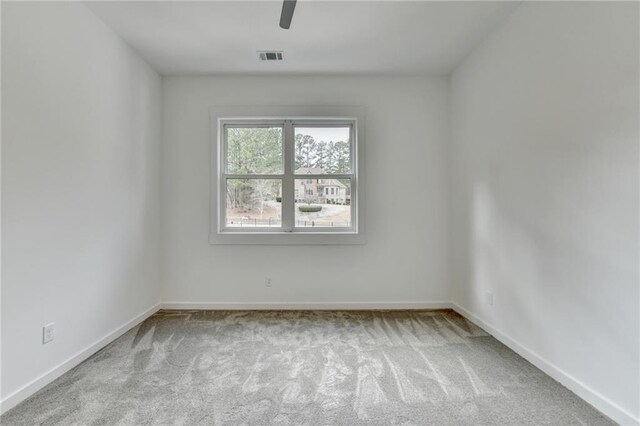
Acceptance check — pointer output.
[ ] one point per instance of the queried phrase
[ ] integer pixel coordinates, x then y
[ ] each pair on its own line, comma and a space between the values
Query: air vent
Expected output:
270, 56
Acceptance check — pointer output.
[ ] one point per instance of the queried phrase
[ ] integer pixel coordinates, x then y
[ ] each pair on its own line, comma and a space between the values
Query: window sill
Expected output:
287, 238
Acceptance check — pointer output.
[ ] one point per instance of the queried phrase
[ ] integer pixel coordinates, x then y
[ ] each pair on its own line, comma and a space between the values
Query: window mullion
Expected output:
288, 183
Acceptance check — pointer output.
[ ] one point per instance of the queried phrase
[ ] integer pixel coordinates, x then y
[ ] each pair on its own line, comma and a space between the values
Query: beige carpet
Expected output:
305, 368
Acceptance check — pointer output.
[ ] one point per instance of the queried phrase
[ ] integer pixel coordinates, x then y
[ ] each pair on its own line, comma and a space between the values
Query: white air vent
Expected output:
270, 56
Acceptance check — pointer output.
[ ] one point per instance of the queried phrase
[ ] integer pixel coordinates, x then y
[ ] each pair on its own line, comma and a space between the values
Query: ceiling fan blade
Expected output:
288, 6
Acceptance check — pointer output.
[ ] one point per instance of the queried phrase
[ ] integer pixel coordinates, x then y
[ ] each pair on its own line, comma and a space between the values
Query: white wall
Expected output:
545, 190
80, 174
406, 255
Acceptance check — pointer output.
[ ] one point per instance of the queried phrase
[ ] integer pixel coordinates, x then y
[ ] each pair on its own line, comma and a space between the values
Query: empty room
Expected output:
320, 213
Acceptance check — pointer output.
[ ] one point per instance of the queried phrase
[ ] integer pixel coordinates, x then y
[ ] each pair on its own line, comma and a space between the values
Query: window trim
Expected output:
288, 175
295, 116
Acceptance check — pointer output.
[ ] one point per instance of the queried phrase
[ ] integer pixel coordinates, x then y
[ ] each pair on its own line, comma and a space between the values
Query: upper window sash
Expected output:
232, 124
288, 126
334, 124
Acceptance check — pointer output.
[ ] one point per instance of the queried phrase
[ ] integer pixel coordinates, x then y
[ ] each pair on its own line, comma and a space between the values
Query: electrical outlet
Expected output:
490, 298
267, 281
48, 333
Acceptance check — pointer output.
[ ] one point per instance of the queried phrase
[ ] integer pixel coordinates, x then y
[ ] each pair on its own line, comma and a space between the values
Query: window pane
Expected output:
321, 150
323, 203
254, 203
254, 150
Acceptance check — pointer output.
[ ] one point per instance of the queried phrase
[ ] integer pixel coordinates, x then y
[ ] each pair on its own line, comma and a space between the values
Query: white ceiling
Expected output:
370, 37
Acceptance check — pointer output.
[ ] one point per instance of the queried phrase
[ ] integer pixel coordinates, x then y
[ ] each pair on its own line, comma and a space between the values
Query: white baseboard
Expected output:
597, 400
32, 387
307, 305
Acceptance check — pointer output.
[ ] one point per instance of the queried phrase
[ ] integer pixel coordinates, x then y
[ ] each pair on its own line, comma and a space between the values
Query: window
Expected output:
259, 183
286, 180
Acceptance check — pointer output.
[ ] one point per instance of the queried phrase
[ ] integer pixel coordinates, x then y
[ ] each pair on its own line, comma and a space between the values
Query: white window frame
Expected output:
289, 118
